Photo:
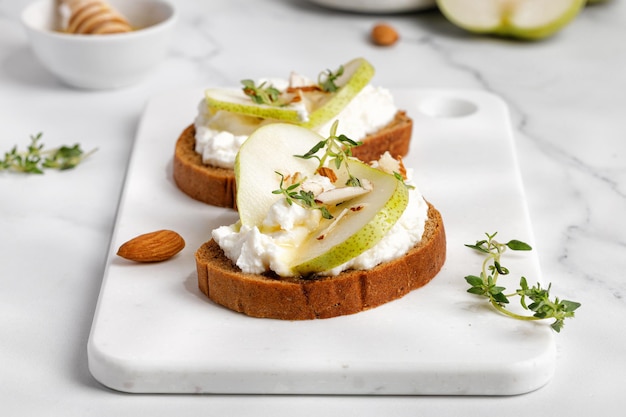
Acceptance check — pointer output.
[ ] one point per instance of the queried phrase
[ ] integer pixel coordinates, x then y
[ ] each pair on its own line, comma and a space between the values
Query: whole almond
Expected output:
384, 35
152, 247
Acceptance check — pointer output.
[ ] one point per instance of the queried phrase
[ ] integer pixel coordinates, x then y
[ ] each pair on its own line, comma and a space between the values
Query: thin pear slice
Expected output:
363, 222
526, 19
356, 75
235, 101
270, 149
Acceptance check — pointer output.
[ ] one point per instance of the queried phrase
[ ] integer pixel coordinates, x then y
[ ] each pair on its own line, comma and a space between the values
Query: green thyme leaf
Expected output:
327, 79
261, 94
314, 150
474, 281
518, 245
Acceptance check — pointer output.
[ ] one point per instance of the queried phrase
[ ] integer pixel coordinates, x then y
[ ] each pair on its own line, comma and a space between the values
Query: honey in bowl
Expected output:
91, 17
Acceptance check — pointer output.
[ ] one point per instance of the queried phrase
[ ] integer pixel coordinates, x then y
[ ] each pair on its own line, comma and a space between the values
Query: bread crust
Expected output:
350, 292
209, 184
216, 186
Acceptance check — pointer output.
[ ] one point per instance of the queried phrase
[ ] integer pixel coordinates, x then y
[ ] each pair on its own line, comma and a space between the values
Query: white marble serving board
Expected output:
154, 332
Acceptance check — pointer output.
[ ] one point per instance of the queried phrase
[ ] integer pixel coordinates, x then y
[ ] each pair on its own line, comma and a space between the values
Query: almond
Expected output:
328, 173
384, 35
152, 247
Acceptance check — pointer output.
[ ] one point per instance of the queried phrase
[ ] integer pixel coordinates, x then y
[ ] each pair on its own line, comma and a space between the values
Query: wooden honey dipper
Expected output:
92, 17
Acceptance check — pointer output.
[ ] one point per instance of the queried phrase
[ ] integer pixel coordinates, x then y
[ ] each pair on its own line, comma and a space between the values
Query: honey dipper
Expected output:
92, 17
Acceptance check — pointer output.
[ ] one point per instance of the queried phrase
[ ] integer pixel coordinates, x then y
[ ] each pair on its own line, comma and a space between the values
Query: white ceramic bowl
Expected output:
102, 61
377, 6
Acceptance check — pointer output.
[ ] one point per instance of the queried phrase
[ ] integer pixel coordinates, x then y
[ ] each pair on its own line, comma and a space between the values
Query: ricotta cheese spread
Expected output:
220, 134
257, 250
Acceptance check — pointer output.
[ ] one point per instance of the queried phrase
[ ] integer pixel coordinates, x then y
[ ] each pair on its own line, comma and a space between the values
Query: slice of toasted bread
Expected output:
216, 186
350, 292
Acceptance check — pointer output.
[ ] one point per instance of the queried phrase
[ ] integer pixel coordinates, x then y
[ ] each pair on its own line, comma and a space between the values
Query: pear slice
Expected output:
235, 101
525, 19
269, 149
362, 222
308, 113
356, 75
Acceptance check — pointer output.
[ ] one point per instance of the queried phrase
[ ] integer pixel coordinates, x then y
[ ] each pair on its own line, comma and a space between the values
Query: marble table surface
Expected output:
565, 95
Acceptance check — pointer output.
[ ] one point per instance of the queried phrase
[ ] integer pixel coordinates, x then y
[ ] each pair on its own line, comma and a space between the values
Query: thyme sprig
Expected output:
401, 178
337, 149
327, 79
303, 198
35, 158
541, 306
262, 94
270, 95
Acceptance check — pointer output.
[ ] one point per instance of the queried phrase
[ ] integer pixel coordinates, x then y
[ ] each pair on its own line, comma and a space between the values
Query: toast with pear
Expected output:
205, 151
321, 233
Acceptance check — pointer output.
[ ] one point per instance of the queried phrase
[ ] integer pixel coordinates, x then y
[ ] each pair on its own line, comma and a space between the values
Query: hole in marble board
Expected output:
448, 107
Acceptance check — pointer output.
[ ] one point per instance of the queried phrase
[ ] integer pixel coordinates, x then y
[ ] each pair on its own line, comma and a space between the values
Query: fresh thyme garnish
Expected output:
261, 94
270, 95
302, 198
35, 159
337, 150
400, 178
485, 285
326, 80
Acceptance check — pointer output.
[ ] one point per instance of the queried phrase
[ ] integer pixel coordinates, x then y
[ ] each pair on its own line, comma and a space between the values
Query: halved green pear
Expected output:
358, 225
356, 75
526, 19
269, 149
